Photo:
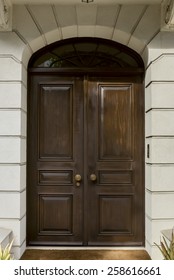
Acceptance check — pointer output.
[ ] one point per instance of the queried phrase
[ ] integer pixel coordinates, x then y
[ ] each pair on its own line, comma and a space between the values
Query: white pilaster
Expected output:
160, 146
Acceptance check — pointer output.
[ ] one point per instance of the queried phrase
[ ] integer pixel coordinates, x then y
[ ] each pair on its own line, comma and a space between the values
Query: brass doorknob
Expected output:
93, 177
78, 177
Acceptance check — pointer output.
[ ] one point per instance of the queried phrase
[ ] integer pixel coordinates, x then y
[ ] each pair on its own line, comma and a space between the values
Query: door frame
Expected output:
129, 73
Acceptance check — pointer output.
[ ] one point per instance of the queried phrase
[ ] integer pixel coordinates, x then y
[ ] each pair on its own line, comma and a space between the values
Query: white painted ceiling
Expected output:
75, 2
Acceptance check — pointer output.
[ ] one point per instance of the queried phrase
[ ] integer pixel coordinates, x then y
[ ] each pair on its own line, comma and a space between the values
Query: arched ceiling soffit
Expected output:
132, 25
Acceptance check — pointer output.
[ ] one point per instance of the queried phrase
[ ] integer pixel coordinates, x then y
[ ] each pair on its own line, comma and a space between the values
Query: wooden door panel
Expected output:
55, 126
115, 177
115, 155
115, 133
115, 214
55, 215
55, 154
53, 177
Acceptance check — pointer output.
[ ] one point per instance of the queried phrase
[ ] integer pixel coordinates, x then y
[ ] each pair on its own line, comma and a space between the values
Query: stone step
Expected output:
5, 236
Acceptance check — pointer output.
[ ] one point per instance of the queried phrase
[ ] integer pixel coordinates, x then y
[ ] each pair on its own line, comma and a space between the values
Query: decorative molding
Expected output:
167, 15
5, 15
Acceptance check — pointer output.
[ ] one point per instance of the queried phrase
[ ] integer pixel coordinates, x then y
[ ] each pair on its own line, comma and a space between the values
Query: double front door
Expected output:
85, 161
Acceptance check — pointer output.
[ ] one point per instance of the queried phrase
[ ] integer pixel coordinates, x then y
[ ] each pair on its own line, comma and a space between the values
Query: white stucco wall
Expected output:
15, 52
13, 104
159, 119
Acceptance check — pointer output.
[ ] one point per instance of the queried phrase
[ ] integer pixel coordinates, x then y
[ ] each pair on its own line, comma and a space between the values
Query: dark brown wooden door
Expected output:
115, 156
92, 127
55, 204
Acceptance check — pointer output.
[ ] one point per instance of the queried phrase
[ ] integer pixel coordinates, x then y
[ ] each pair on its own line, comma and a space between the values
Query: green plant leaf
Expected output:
5, 253
167, 248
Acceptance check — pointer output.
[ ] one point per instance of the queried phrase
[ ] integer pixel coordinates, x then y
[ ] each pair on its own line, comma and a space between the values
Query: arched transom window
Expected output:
86, 53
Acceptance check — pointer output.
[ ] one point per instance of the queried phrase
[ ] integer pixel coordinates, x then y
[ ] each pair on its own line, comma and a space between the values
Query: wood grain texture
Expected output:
85, 124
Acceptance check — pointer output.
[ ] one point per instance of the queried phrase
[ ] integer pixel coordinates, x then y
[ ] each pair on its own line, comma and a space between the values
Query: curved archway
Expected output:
86, 53
85, 145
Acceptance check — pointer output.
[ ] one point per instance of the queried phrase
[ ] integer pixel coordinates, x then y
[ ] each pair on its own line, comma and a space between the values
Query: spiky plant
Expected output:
167, 248
5, 253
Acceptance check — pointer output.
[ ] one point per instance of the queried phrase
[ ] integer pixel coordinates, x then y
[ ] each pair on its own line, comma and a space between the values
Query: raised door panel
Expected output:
116, 177
115, 121
56, 215
112, 219
55, 177
55, 125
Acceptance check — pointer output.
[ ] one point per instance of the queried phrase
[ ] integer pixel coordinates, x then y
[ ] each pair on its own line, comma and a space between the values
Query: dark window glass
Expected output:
86, 52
